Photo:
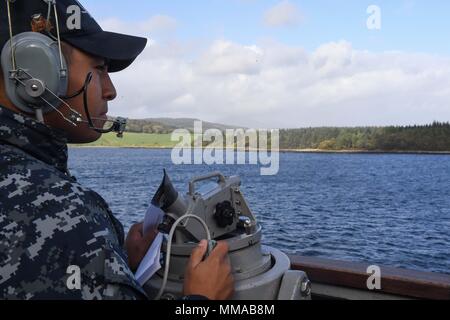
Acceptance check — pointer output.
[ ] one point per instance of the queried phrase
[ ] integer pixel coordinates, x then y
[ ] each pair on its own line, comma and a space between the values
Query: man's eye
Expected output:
102, 67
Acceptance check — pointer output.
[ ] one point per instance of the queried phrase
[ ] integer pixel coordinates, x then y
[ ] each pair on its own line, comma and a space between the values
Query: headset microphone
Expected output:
36, 75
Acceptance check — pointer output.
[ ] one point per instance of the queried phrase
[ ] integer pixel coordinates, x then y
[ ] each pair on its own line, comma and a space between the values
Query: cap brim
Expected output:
119, 49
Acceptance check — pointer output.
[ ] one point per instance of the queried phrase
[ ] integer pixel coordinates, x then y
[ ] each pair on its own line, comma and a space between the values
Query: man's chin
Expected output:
100, 121
89, 137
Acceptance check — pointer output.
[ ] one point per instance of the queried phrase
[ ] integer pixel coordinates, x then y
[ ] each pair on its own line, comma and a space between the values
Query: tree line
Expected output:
434, 137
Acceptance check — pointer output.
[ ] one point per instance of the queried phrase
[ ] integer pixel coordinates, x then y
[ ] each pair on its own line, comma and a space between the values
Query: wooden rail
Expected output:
396, 282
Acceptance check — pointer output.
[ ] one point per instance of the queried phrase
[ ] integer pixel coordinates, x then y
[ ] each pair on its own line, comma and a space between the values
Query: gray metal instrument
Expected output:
219, 211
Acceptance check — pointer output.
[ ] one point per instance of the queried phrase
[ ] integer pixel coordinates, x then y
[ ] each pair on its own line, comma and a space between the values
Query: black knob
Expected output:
224, 214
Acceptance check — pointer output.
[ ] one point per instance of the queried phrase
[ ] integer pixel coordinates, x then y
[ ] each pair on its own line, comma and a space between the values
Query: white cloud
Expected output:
225, 57
283, 14
271, 84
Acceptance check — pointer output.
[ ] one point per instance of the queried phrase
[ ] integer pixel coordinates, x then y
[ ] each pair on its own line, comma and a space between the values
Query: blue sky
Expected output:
407, 25
284, 63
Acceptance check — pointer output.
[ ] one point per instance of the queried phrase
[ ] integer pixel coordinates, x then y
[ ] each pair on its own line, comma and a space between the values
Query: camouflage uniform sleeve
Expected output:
59, 240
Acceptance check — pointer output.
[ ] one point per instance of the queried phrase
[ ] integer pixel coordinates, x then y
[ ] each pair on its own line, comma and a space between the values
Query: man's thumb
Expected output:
198, 254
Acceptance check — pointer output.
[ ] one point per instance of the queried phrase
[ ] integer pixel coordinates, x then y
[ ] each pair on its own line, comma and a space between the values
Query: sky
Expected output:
284, 64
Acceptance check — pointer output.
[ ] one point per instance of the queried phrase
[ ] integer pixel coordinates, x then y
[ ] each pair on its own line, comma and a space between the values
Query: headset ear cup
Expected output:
38, 66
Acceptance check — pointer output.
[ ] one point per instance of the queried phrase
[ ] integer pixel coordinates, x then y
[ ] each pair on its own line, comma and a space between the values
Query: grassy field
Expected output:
131, 140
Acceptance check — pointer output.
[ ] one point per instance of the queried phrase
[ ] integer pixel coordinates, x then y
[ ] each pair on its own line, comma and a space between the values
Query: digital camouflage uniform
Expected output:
49, 222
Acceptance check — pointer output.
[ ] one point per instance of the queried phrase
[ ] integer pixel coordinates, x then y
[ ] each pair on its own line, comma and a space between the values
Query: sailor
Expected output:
52, 227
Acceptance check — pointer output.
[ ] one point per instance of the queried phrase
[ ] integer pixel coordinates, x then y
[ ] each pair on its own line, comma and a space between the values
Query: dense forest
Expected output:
434, 137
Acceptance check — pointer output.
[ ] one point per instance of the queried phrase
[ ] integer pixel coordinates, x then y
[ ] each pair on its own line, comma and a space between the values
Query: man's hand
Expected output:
137, 244
211, 278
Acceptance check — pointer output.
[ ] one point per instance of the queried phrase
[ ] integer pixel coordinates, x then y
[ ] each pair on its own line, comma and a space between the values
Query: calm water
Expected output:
386, 209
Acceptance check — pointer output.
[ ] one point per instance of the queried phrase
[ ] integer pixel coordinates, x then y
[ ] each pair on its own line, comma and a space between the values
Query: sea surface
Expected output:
388, 209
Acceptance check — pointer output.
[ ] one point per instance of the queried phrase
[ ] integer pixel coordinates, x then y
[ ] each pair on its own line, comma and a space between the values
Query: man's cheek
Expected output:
96, 103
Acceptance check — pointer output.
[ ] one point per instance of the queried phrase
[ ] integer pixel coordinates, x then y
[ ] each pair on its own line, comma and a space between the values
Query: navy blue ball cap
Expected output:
77, 27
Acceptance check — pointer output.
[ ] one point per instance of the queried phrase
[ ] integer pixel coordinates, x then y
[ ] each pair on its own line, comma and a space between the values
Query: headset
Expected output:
36, 74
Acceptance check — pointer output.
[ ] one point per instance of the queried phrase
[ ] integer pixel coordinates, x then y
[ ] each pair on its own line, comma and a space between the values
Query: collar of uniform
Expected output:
38, 140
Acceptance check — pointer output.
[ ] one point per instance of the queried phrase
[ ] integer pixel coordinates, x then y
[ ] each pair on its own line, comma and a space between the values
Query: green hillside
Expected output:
144, 140
167, 125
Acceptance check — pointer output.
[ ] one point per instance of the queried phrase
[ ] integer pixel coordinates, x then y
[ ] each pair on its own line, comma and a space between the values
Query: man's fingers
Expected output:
150, 236
136, 230
134, 246
198, 254
134, 235
221, 251
139, 225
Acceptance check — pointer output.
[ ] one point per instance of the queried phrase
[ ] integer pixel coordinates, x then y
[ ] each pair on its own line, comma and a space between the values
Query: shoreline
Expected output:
312, 151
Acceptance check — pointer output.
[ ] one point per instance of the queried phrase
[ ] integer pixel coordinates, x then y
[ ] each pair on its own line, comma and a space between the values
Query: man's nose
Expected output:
109, 91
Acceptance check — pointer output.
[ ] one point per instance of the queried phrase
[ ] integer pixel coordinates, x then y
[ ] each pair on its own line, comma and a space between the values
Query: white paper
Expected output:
153, 218
151, 262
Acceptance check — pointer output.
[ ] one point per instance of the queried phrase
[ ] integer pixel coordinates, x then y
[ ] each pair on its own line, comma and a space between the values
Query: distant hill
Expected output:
168, 125
187, 123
